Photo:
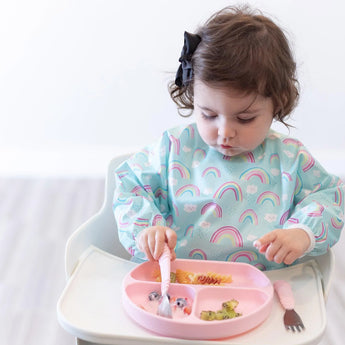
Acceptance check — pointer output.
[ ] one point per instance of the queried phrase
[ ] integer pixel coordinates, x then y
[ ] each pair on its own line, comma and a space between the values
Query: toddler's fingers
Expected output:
262, 249
171, 238
151, 247
159, 244
144, 247
171, 241
267, 238
281, 255
290, 258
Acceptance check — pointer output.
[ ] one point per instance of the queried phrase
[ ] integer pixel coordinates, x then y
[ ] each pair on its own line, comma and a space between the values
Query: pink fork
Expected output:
292, 320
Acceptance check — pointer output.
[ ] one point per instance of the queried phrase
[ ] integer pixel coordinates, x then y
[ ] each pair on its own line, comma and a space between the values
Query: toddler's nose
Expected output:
226, 131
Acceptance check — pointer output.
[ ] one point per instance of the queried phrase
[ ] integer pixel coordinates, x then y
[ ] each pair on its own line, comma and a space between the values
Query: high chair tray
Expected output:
90, 307
200, 301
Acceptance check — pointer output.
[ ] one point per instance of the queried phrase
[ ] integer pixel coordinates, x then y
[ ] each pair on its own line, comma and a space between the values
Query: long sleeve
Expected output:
140, 197
319, 203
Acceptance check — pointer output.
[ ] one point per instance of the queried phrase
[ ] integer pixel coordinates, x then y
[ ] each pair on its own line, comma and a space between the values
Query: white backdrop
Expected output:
81, 81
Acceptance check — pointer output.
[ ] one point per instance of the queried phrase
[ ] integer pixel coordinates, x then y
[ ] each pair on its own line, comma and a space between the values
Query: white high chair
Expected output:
101, 231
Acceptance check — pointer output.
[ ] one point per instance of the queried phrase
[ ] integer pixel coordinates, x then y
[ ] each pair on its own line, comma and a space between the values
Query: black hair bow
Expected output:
185, 72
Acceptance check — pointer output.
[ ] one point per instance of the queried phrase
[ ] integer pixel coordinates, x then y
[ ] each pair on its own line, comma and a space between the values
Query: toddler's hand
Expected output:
283, 245
151, 241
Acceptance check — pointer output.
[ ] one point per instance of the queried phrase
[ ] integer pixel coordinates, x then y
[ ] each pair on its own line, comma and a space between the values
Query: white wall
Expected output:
83, 80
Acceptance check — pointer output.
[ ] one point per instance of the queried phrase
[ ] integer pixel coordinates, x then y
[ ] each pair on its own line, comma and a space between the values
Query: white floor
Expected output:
36, 218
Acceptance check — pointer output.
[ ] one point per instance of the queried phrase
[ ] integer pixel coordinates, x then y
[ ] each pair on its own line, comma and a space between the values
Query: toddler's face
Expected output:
231, 122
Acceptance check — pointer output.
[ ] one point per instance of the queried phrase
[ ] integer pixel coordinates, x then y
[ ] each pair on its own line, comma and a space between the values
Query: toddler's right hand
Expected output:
151, 241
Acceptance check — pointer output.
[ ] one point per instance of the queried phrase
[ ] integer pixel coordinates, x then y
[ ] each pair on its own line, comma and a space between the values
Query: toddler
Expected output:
228, 187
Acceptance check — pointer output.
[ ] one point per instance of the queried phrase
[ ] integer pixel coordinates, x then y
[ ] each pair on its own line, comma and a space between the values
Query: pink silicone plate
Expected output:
250, 287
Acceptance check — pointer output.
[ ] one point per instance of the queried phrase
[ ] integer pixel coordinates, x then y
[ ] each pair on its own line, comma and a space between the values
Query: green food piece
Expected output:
227, 312
207, 315
221, 315
172, 277
230, 305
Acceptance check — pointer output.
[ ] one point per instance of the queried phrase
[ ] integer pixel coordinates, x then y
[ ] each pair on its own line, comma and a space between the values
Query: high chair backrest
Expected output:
101, 231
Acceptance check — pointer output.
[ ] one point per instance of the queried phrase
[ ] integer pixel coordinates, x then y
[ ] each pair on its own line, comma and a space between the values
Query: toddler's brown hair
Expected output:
242, 49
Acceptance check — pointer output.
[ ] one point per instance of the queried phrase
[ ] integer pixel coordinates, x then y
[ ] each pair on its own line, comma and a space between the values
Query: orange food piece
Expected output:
156, 275
210, 278
184, 277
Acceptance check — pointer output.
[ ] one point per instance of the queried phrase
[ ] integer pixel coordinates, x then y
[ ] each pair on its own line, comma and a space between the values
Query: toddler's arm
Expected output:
318, 203
140, 197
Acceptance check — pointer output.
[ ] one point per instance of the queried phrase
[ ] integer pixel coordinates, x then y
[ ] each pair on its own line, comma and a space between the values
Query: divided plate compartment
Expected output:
249, 286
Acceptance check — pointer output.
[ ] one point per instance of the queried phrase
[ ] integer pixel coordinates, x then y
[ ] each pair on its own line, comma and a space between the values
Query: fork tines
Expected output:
293, 328
293, 321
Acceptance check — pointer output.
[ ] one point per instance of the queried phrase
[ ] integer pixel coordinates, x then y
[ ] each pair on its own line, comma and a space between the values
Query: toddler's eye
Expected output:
240, 120
208, 117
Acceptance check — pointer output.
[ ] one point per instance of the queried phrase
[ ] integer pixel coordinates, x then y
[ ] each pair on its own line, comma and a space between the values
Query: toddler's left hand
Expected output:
283, 245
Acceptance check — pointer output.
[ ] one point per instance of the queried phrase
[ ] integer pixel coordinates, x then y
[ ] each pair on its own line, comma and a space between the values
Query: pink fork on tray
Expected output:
292, 320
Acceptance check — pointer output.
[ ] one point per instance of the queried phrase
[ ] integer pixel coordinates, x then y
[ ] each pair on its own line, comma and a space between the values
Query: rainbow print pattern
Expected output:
229, 186
158, 220
250, 157
198, 254
137, 190
243, 256
290, 141
284, 217
227, 232
317, 212
142, 222
123, 173
211, 171
218, 205
274, 158
161, 192
176, 210
181, 168
260, 173
189, 230
199, 155
175, 144
190, 131
271, 197
338, 197
307, 160
249, 215
190, 189
299, 184
323, 234
337, 223
215, 209
286, 176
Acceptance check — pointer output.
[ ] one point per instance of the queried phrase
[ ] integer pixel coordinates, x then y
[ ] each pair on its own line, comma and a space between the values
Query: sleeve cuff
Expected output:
309, 233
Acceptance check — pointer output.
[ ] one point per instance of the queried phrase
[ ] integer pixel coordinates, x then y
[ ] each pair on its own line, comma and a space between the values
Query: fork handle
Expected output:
164, 263
284, 292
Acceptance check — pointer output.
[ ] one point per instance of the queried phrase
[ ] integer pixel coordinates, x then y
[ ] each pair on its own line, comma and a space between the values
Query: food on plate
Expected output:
227, 312
186, 277
157, 276
209, 278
